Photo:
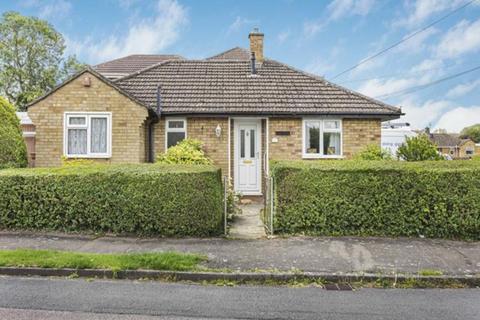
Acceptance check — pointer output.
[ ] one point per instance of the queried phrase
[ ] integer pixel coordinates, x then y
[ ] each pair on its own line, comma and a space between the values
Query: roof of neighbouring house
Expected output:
124, 66
447, 139
236, 53
224, 84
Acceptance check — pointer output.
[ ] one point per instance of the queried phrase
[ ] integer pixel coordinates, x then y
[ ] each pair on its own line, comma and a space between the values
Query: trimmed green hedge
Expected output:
154, 200
13, 151
378, 198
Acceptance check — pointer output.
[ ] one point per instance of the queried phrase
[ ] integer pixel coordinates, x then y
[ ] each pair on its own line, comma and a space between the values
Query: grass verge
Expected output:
172, 261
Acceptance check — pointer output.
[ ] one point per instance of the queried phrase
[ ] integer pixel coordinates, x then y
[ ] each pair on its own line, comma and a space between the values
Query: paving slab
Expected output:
313, 254
248, 224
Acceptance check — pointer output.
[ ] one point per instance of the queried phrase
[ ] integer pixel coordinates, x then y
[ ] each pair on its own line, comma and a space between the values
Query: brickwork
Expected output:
357, 134
127, 120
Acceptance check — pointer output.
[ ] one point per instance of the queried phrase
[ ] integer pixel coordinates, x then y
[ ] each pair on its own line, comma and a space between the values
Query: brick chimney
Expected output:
256, 44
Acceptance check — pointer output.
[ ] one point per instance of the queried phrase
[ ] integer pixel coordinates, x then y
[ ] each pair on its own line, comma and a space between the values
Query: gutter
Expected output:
151, 126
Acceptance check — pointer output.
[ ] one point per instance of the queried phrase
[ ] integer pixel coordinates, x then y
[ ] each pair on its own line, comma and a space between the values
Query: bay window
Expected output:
322, 138
87, 135
175, 131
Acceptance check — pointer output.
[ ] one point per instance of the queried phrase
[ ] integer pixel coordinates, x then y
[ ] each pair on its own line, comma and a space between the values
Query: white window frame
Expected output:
87, 126
167, 129
321, 122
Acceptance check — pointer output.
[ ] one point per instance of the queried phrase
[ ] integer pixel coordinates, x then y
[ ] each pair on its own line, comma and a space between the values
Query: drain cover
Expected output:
339, 286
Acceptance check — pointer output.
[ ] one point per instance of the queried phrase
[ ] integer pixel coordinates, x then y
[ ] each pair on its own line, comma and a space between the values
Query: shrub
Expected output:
418, 148
378, 198
155, 200
13, 152
373, 152
188, 151
76, 162
472, 132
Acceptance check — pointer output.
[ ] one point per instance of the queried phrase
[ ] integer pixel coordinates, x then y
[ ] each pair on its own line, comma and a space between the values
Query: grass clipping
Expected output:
171, 261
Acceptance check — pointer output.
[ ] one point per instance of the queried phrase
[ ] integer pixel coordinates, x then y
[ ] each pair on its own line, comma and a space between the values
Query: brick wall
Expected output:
127, 121
203, 129
357, 134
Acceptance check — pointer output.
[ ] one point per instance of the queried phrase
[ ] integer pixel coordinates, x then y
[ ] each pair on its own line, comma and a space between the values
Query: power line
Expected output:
404, 39
424, 86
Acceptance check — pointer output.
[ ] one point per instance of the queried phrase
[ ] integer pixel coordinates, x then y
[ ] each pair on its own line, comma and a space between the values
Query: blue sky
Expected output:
322, 37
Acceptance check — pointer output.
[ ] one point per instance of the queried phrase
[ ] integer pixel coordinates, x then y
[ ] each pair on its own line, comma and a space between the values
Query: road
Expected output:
79, 299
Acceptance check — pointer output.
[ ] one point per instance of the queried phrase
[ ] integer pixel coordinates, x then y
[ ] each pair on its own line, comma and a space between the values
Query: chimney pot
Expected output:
256, 44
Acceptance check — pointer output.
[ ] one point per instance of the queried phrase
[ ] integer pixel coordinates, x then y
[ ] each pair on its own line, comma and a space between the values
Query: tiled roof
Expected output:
236, 53
219, 86
127, 65
447, 139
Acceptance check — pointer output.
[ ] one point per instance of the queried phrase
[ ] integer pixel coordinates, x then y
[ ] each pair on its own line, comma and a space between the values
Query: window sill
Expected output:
314, 156
87, 156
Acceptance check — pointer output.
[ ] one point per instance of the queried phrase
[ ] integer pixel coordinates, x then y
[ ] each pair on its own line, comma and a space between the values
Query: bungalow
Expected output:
247, 109
451, 144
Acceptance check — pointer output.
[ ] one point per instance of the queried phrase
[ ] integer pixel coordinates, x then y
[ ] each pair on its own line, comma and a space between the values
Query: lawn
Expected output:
172, 261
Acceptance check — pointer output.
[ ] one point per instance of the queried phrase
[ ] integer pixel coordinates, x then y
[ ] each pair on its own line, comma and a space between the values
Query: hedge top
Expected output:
135, 169
358, 165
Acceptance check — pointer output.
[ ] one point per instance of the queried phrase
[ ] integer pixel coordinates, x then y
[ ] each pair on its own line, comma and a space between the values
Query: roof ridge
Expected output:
320, 78
214, 57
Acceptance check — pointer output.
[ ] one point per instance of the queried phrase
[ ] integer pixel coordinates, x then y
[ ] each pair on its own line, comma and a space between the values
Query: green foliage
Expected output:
31, 58
13, 152
472, 132
76, 162
148, 199
436, 199
173, 261
188, 151
418, 148
373, 152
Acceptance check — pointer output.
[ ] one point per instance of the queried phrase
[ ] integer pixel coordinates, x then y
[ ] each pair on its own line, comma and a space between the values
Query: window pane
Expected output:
176, 124
98, 139
331, 124
331, 143
77, 141
252, 143
242, 143
174, 137
77, 120
312, 130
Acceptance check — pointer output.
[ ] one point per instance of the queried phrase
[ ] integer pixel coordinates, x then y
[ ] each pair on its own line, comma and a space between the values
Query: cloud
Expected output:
148, 35
343, 8
457, 119
462, 89
239, 23
49, 9
421, 10
463, 38
417, 43
336, 10
425, 114
283, 36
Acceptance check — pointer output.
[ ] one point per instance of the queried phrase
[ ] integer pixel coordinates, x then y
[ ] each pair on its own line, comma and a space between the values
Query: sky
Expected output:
318, 36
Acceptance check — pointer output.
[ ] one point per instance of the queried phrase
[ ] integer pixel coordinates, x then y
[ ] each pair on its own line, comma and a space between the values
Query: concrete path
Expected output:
248, 225
78, 299
325, 254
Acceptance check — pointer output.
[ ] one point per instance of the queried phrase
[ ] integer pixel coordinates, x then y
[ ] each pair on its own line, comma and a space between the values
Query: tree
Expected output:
31, 58
188, 151
13, 152
418, 148
472, 132
373, 152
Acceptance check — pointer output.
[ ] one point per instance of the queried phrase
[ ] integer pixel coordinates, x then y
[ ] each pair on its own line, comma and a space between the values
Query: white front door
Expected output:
248, 160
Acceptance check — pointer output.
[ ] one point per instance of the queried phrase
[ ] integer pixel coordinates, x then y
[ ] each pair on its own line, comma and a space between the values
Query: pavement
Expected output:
78, 299
248, 224
333, 255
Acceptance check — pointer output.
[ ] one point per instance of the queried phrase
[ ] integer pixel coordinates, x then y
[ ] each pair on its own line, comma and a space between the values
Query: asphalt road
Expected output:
78, 299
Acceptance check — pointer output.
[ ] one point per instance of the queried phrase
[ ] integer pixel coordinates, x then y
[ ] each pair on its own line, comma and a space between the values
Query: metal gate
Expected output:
269, 207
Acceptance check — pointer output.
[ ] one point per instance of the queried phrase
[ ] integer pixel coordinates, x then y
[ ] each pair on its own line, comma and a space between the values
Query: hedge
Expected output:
13, 151
149, 199
437, 199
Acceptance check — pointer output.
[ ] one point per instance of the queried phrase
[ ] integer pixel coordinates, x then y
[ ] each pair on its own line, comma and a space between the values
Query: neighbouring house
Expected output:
394, 134
246, 109
451, 144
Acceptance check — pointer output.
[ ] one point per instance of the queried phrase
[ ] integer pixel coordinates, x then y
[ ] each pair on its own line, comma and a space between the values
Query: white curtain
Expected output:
77, 141
98, 135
